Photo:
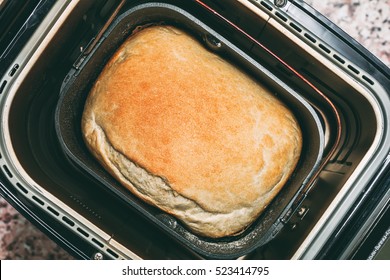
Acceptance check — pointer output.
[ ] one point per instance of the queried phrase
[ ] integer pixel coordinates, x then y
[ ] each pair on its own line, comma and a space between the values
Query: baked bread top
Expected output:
190, 133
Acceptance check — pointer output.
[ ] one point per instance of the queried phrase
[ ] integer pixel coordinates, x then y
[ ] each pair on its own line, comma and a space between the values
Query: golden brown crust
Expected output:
214, 137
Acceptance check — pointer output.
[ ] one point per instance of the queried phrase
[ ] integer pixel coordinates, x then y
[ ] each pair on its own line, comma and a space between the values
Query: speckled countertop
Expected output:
368, 21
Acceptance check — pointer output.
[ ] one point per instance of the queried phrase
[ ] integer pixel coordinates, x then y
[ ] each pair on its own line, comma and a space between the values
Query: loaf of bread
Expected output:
188, 132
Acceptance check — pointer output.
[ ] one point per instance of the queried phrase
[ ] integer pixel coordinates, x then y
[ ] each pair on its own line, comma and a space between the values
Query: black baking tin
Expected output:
81, 77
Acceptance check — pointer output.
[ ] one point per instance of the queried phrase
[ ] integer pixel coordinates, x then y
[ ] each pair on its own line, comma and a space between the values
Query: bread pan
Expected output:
208, 30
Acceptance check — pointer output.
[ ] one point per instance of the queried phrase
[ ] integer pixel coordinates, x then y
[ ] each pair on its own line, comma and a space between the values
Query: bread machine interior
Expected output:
335, 101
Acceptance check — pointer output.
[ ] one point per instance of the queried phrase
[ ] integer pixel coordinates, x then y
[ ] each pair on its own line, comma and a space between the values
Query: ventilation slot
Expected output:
83, 232
97, 242
112, 253
339, 59
52, 210
266, 5
2, 87
7, 171
353, 69
68, 221
38, 200
324, 48
13, 70
296, 27
23, 189
368, 80
311, 38
282, 17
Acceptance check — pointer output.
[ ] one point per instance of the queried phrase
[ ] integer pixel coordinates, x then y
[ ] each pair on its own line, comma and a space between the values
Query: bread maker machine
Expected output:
335, 205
